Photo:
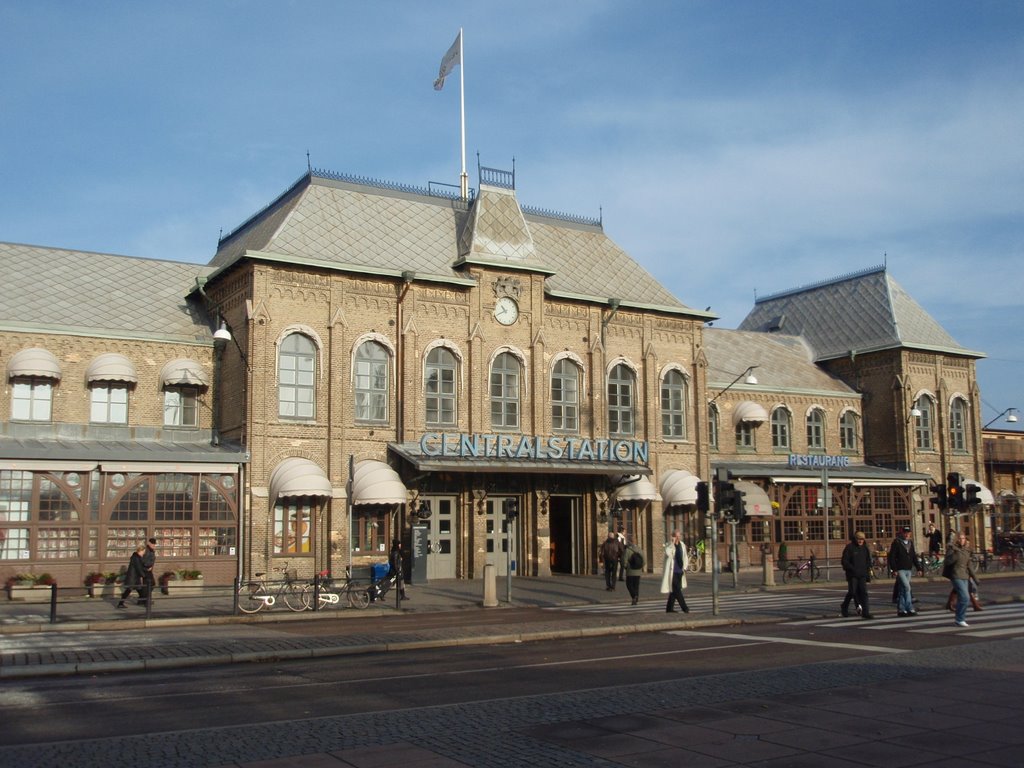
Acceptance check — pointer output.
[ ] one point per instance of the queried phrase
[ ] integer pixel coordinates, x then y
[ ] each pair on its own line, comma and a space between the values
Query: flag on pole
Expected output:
450, 60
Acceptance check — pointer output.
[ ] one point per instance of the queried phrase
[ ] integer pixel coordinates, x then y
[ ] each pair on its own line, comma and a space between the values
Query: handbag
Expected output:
947, 570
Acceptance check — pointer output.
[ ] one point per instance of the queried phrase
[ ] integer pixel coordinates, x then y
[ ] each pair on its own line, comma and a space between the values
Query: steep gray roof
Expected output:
340, 223
58, 291
784, 363
860, 312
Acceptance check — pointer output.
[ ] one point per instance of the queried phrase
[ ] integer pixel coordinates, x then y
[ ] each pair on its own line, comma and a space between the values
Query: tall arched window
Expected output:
958, 425
923, 423
565, 396
441, 387
673, 405
781, 428
296, 374
371, 382
620, 401
816, 430
848, 431
505, 373
713, 426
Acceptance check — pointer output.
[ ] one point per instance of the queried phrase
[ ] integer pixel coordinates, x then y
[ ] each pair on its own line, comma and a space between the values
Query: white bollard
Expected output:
490, 586
768, 564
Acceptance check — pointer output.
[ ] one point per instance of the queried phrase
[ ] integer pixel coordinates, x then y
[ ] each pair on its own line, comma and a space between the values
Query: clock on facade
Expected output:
506, 311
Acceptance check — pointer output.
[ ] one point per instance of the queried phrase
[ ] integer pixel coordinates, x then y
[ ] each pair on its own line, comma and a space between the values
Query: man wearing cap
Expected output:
902, 560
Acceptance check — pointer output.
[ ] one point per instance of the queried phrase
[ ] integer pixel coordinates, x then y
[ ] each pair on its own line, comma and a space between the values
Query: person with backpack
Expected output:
633, 562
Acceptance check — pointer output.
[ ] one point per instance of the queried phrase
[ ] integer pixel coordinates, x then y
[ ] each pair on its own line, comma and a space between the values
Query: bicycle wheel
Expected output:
791, 573
307, 597
358, 597
293, 599
250, 597
695, 563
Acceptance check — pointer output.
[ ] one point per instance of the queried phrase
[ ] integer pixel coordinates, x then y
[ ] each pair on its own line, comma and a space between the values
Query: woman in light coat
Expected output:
673, 578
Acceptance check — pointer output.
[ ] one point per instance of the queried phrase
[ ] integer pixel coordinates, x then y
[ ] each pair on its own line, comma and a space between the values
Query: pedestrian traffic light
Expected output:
971, 492
703, 497
954, 492
939, 499
725, 499
512, 508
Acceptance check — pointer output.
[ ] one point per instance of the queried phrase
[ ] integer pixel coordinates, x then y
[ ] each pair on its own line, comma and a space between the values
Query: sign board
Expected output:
420, 548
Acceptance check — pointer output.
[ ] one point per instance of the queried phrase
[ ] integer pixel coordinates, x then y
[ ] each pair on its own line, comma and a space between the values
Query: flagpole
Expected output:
463, 179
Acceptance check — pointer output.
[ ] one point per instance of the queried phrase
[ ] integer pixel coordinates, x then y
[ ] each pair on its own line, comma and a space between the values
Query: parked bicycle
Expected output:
805, 571
695, 557
332, 593
255, 595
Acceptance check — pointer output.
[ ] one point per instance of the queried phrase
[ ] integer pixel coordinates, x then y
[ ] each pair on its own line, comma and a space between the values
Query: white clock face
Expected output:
506, 311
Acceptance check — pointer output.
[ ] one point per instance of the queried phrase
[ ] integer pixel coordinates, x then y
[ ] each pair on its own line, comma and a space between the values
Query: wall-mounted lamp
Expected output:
222, 336
1011, 417
748, 378
915, 413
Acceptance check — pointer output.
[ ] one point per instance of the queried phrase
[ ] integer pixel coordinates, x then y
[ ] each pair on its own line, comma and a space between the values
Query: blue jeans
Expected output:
904, 602
963, 598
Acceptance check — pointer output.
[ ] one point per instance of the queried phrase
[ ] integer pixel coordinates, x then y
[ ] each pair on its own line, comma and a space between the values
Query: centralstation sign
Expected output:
533, 447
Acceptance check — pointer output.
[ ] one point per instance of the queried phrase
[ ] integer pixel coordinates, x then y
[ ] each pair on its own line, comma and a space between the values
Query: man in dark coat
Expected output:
857, 566
902, 560
611, 554
148, 562
134, 577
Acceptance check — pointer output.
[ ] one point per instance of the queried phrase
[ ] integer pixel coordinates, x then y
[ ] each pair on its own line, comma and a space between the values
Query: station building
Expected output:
364, 361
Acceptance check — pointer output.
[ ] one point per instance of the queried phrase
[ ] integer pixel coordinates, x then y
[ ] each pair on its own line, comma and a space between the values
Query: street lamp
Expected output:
1011, 417
748, 378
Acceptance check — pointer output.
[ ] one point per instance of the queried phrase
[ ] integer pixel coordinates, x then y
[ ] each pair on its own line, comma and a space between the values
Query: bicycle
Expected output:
931, 564
355, 593
695, 557
255, 595
805, 571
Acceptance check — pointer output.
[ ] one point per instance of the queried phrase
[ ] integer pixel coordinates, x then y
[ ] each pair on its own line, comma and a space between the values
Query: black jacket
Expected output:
857, 561
903, 557
136, 571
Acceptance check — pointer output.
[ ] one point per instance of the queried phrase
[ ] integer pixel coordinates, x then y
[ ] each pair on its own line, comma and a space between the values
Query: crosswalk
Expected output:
819, 608
1004, 620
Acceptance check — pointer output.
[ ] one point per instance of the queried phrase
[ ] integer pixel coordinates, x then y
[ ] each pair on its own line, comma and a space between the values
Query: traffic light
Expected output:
939, 499
512, 508
725, 499
971, 492
954, 492
703, 497
739, 506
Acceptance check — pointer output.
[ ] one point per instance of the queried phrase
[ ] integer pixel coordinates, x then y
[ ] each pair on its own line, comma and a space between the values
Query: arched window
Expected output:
565, 396
848, 431
371, 382
673, 406
296, 374
781, 428
713, 426
441, 387
958, 425
620, 401
816, 430
923, 423
505, 373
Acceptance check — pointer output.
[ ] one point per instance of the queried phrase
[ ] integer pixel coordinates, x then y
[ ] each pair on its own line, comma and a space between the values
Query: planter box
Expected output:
185, 587
105, 590
33, 594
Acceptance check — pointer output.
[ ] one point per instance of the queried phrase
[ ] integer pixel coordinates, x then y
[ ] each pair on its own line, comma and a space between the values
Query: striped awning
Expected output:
374, 482
33, 362
750, 411
298, 477
755, 500
678, 487
111, 367
639, 490
183, 372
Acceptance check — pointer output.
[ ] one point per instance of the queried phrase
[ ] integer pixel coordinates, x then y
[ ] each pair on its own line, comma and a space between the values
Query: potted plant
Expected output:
94, 581
185, 582
30, 587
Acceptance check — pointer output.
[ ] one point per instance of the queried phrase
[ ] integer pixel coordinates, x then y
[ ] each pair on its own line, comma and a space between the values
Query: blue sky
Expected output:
732, 148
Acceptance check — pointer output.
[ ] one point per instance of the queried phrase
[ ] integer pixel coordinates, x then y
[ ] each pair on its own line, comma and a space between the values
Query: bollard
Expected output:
490, 586
768, 569
53, 603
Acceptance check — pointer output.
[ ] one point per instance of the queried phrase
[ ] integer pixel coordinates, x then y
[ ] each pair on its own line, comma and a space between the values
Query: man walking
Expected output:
633, 560
673, 580
148, 562
857, 566
611, 553
902, 560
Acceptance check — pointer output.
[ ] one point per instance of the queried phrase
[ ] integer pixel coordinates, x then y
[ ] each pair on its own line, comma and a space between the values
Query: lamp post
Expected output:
1011, 417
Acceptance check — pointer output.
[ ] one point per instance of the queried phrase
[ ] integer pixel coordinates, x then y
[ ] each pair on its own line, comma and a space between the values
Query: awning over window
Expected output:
984, 495
111, 367
374, 482
640, 490
755, 500
750, 411
677, 487
298, 477
183, 372
33, 362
